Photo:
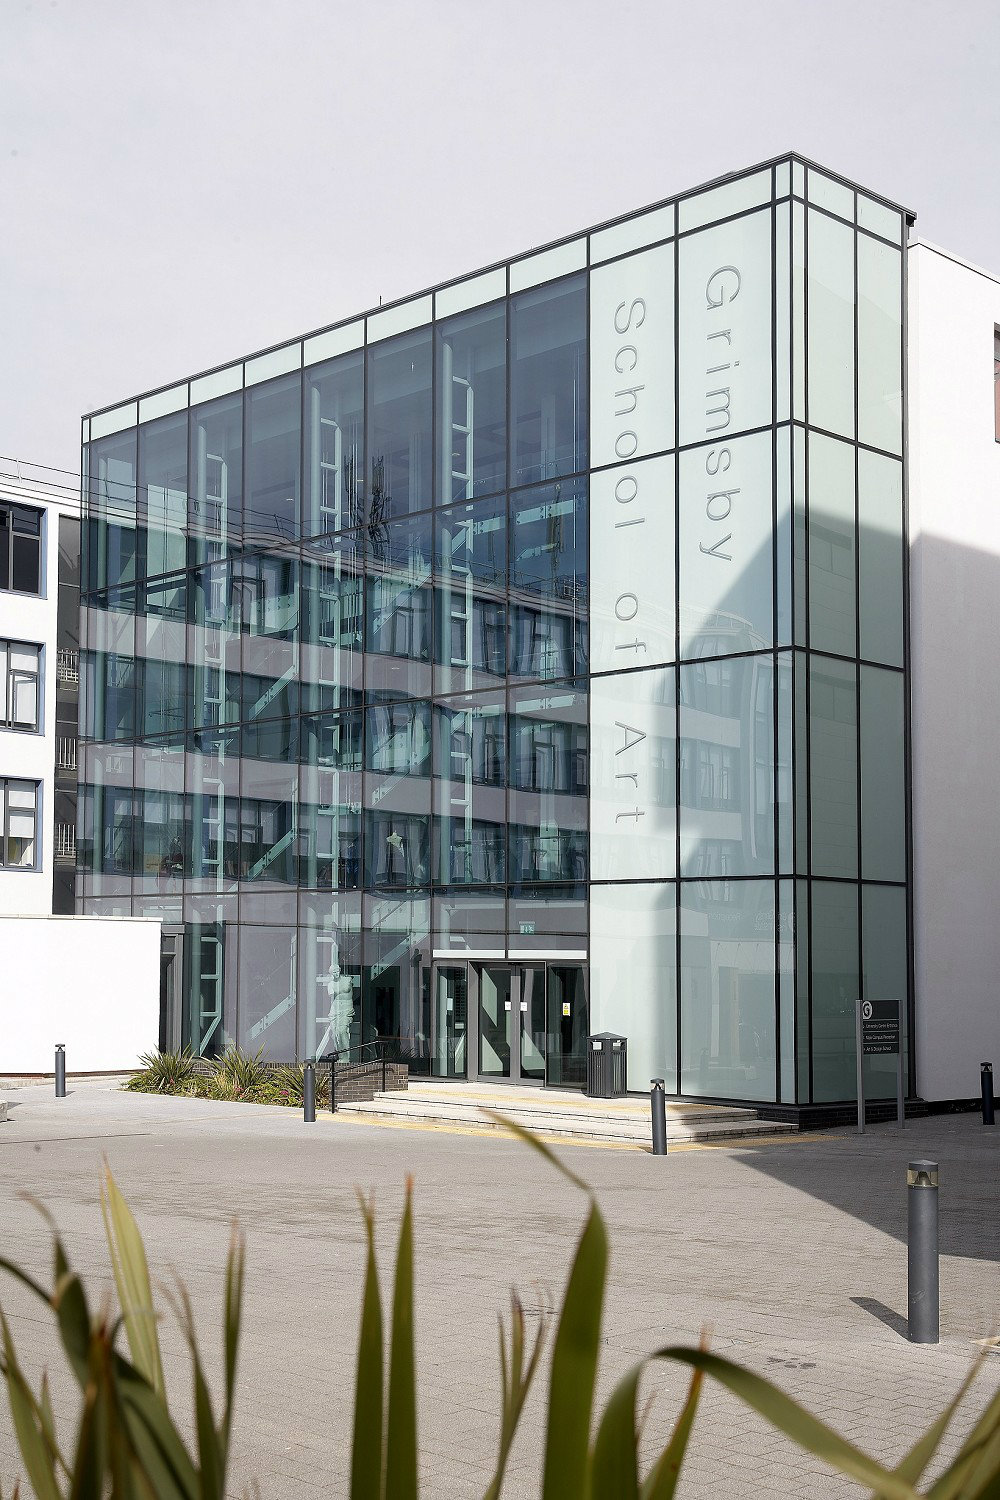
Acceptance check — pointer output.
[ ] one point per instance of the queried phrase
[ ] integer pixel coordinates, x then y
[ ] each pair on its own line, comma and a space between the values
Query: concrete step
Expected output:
623, 1121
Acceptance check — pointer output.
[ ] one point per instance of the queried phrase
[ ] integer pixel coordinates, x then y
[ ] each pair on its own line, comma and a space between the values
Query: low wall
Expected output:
92, 983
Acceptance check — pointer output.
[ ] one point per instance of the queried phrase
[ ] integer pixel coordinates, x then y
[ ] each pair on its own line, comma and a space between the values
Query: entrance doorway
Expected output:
510, 1023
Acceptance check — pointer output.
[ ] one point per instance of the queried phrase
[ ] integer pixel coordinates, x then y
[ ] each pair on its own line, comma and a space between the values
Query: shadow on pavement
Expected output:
893, 1320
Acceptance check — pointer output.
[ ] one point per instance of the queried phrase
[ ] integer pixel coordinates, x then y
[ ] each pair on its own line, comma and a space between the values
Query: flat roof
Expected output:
702, 187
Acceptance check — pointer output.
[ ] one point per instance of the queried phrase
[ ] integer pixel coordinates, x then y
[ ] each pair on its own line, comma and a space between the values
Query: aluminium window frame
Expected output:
7, 721
5, 784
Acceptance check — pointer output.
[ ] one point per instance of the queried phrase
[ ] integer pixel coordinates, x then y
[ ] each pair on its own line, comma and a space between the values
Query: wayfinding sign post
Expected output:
878, 1033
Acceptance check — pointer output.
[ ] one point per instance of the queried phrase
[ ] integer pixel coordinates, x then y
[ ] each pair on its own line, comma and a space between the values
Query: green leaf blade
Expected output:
401, 1482
574, 1366
661, 1482
614, 1470
366, 1447
131, 1269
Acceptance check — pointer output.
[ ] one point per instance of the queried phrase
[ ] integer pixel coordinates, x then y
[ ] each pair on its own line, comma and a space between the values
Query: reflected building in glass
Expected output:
526, 660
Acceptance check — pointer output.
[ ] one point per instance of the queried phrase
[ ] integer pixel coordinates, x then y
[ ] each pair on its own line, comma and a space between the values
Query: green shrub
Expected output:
164, 1072
127, 1445
237, 1074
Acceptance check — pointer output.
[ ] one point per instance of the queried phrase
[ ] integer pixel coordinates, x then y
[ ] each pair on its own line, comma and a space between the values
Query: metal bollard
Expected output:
309, 1094
60, 1070
986, 1078
923, 1281
658, 1105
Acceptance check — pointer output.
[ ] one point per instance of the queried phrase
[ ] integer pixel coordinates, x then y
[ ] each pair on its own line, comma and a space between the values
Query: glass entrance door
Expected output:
512, 1022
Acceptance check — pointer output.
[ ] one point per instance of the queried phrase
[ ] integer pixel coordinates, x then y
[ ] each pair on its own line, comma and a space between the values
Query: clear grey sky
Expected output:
185, 181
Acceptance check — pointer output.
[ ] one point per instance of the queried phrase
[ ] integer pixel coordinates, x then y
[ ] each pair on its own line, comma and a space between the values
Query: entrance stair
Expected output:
561, 1112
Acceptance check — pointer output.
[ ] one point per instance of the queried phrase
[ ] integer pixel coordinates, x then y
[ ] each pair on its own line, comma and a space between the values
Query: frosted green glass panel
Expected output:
831, 324
880, 347
883, 795
881, 557
835, 989
833, 765
831, 546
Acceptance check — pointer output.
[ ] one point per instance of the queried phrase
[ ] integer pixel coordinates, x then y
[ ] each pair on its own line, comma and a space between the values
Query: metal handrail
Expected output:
380, 1049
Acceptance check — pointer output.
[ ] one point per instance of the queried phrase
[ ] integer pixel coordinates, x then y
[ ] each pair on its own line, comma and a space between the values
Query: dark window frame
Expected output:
7, 720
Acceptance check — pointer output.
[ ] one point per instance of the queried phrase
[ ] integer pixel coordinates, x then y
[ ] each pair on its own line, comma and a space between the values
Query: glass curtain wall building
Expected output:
527, 659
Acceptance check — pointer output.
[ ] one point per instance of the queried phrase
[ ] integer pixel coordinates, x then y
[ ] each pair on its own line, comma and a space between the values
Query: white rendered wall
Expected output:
31, 618
954, 676
92, 983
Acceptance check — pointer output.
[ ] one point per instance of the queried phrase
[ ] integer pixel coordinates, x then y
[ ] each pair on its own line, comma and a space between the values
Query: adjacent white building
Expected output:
954, 534
39, 676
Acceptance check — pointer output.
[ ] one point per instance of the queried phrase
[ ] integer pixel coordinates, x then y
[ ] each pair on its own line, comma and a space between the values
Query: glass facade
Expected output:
527, 661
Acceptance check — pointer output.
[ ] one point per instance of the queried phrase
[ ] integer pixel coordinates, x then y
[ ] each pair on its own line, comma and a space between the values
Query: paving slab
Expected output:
792, 1252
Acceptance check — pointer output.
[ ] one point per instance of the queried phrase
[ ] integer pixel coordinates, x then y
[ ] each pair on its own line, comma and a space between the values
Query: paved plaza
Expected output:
792, 1252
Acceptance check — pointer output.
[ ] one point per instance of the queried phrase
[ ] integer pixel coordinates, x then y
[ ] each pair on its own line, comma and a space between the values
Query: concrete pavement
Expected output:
793, 1252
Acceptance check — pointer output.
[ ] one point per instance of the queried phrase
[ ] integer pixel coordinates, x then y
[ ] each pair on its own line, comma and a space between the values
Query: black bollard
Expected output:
60, 1070
923, 1283
658, 1105
309, 1094
986, 1078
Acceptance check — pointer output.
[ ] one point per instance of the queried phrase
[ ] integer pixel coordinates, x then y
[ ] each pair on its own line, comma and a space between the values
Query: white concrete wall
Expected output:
90, 982
955, 670
27, 617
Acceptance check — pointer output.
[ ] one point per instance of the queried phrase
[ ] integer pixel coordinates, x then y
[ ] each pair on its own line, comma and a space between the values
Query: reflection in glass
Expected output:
728, 989
162, 508
548, 381
329, 977
881, 557
334, 444
633, 974
333, 621
267, 991
472, 404
549, 581
883, 785
831, 545
567, 1026
835, 988
727, 767
273, 459
833, 766
399, 603
470, 562
830, 324
399, 425
215, 468
111, 511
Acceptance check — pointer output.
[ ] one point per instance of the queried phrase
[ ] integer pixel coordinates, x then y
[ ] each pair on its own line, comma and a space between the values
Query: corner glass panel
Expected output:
548, 382
548, 551
334, 445
399, 426
883, 786
830, 258
215, 507
472, 404
833, 766
728, 989
835, 988
880, 345
786, 989
883, 944
881, 557
273, 460
832, 555
727, 767
329, 975
111, 510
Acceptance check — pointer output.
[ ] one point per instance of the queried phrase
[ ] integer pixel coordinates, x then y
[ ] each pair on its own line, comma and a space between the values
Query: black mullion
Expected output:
807, 634
678, 971
907, 706
774, 628
857, 611
587, 678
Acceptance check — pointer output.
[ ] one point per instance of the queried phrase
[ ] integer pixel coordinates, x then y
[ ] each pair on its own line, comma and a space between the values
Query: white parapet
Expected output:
92, 983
